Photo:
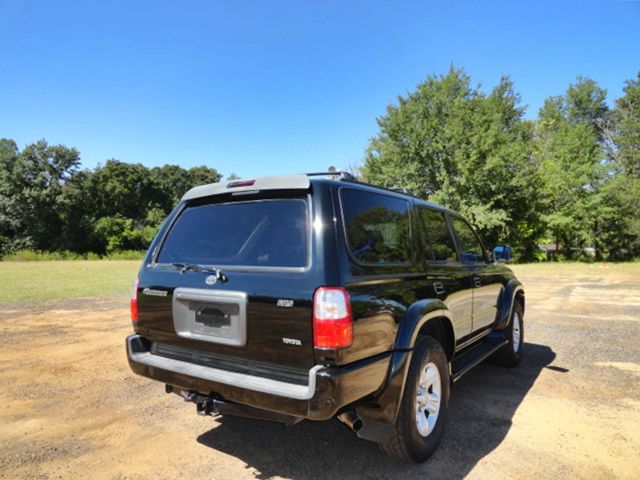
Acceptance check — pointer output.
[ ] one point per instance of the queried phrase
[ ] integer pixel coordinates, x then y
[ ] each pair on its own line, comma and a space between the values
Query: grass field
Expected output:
38, 282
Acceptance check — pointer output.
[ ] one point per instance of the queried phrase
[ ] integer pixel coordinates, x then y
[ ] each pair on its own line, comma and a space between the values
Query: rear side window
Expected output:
439, 235
470, 247
263, 233
377, 226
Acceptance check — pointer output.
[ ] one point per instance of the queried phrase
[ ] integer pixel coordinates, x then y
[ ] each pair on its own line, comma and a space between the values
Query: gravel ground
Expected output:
72, 409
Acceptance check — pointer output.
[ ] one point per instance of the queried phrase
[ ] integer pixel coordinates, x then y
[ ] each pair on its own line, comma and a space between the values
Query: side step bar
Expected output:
474, 355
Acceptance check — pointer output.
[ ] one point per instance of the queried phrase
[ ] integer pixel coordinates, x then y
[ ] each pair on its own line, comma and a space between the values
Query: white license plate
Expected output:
210, 315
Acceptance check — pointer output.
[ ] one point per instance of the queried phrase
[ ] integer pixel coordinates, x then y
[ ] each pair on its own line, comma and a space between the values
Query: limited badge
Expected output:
211, 280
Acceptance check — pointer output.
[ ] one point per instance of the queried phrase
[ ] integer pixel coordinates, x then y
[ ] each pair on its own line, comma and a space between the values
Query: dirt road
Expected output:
72, 409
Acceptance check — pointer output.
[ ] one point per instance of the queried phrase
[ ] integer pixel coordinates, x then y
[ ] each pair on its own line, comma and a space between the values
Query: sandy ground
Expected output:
72, 409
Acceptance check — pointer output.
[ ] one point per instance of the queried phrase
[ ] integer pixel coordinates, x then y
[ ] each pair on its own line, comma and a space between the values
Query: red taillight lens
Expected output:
134, 302
332, 318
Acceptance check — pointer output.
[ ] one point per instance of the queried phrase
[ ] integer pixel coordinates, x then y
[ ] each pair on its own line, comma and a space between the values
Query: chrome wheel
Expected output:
515, 332
428, 398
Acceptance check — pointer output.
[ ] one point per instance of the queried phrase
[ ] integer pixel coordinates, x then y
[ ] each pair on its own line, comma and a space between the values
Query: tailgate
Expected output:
258, 309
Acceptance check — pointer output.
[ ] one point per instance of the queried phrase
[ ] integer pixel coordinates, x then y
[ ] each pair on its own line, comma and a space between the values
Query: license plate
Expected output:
210, 315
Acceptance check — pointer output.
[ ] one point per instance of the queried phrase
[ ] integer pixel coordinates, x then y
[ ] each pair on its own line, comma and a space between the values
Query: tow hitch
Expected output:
211, 405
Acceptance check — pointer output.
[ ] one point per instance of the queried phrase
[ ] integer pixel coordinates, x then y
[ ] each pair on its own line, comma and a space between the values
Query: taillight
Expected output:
134, 302
332, 318
241, 183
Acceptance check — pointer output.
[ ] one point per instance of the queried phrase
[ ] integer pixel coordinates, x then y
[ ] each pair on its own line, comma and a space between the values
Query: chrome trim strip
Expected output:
242, 380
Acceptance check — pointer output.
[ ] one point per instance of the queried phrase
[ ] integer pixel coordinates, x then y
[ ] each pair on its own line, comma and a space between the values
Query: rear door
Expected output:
263, 247
447, 278
486, 285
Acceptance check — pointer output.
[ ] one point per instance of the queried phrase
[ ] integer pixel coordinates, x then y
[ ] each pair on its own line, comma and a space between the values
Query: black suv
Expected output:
313, 296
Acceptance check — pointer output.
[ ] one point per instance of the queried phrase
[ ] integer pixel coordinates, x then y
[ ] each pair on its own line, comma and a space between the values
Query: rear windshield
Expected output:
264, 233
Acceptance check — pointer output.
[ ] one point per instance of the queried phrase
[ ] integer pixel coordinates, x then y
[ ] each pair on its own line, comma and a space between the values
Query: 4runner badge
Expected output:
154, 293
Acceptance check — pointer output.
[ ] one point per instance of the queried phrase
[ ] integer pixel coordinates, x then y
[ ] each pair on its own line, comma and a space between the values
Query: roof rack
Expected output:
404, 190
347, 177
337, 174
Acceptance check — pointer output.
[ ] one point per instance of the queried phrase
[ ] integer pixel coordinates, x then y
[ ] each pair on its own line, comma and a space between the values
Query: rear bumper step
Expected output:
327, 390
140, 353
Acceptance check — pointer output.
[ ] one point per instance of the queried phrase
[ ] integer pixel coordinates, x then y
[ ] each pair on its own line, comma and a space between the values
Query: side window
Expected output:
470, 247
376, 225
438, 234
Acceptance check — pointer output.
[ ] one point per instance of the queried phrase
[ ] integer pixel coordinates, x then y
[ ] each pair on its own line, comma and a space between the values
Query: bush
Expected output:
35, 256
126, 255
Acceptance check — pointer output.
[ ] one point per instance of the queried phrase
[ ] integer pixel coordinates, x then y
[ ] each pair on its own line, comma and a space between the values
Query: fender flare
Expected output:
412, 321
415, 317
380, 419
507, 299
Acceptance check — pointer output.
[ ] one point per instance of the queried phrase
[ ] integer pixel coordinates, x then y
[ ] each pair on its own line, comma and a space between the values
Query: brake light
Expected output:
332, 318
241, 183
134, 301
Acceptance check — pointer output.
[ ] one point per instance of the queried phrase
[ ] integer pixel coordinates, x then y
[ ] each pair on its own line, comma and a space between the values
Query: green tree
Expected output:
569, 145
626, 135
203, 175
616, 206
586, 104
120, 188
31, 186
171, 182
616, 223
449, 142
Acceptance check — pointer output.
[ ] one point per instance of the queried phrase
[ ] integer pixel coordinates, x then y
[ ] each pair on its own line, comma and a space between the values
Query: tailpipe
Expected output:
351, 420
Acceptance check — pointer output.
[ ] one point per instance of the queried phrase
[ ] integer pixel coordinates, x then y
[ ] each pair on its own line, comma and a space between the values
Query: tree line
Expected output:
569, 179
48, 203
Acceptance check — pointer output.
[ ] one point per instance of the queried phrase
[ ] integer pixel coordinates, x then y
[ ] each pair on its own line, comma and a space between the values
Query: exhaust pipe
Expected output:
351, 420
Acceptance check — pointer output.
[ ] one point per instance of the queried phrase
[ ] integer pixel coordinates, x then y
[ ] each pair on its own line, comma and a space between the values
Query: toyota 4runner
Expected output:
314, 296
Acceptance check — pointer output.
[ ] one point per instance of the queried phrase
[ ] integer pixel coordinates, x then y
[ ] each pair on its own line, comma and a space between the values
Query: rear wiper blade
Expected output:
192, 267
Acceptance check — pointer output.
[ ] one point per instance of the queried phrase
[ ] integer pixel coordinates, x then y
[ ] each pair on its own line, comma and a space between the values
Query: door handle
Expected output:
477, 282
438, 287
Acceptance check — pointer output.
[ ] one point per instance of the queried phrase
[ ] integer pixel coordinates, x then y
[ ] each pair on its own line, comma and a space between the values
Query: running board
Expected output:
475, 355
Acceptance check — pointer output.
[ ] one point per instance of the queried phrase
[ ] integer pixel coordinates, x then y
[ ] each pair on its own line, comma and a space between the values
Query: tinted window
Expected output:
470, 247
269, 233
377, 226
439, 235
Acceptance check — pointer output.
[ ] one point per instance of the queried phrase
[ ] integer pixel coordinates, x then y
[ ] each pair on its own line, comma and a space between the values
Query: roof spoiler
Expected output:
285, 182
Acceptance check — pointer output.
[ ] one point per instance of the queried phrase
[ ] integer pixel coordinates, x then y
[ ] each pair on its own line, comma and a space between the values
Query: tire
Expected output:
411, 442
511, 353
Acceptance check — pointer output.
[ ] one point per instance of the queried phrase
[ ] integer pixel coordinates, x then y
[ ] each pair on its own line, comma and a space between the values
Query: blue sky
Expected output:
278, 86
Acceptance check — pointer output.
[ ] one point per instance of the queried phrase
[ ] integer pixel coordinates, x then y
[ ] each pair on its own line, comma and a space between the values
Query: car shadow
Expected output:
482, 405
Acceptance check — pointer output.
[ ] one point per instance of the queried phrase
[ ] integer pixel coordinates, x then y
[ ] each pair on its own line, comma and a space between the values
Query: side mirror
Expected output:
503, 254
